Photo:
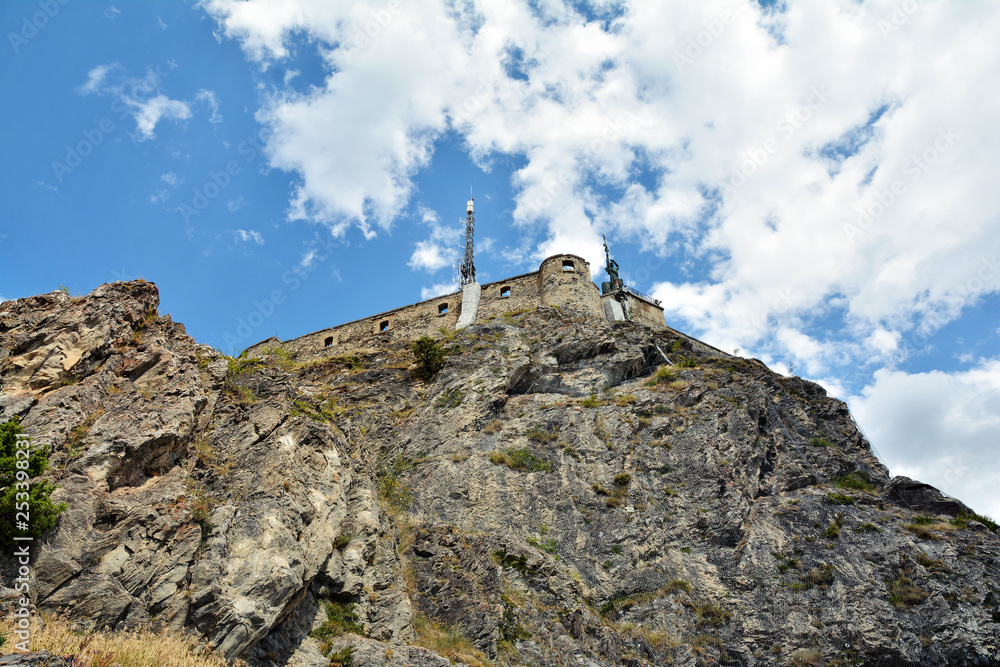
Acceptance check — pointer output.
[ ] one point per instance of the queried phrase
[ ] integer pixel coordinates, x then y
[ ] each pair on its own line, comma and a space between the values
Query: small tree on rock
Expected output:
430, 355
18, 495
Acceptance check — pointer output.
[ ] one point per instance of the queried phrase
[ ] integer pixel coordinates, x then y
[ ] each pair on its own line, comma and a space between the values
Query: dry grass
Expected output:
124, 649
448, 642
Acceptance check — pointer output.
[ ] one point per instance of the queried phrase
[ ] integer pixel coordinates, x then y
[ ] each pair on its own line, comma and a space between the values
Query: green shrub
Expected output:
688, 363
430, 357
833, 530
16, 489
622, 479
963, 519
839, 499
243, 364
663, 376
858, 480
340, 619
924, 520
523, 460
820, 442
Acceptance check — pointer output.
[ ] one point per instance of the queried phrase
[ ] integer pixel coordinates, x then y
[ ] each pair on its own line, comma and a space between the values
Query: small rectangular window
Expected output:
504, 292
328, 342
568, 265
383, 326
443, 309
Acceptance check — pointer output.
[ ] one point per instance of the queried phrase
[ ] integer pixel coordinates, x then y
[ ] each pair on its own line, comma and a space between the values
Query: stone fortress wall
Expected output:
561, 280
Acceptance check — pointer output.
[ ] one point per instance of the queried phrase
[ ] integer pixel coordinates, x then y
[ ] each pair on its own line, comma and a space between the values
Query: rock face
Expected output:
558, 494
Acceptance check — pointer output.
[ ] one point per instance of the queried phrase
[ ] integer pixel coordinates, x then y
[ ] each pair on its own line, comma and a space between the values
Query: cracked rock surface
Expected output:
559, 494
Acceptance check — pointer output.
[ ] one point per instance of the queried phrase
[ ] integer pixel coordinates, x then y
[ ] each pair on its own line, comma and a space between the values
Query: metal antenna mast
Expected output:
467, 270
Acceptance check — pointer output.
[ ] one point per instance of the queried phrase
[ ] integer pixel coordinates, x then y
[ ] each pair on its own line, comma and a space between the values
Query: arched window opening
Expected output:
505, 292
568, 265
328, 342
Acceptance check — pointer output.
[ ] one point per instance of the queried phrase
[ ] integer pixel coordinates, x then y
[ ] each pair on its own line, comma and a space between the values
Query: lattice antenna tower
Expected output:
467, 270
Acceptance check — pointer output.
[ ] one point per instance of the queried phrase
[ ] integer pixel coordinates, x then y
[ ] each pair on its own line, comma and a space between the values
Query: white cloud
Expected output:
159, 22
140, 96
170, 178
940, 428
95, 78
209, 98
112, 12
251, 235
799, 186
441, 249
234, 205
149, 112
439, 289
159, 197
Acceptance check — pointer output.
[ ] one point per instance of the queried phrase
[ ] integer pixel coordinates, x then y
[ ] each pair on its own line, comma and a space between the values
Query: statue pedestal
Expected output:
471, 294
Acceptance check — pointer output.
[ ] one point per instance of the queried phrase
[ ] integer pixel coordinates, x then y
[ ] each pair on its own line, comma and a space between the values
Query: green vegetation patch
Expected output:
430, 357
504, 559
962, 521
537, 433
662, 376
20, 498
520, 459
903, 593
548, 546
450, 399
839, 499
243, 365
340, 620
712, 615
858, 480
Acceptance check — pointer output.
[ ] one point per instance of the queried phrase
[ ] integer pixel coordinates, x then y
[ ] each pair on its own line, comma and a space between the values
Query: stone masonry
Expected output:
561, 280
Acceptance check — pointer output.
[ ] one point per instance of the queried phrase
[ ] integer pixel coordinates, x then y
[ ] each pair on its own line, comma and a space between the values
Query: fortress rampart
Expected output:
561, 280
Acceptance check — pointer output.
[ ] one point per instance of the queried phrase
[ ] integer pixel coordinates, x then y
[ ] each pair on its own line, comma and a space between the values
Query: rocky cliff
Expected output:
563, 492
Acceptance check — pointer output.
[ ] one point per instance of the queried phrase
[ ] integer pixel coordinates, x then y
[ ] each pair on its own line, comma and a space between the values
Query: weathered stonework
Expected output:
561, 280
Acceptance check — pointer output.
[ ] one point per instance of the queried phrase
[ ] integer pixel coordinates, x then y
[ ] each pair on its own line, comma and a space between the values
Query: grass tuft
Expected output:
135, 648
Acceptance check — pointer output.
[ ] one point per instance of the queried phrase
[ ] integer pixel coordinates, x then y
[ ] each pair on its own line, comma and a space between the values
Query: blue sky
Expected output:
812, 184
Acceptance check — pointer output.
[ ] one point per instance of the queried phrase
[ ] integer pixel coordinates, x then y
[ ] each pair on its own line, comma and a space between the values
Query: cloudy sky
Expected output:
813, 183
